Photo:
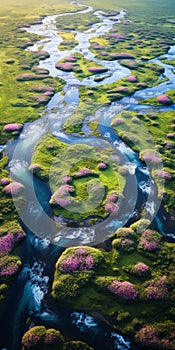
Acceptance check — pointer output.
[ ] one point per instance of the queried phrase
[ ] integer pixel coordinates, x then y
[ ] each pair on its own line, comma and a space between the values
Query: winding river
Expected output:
41, 249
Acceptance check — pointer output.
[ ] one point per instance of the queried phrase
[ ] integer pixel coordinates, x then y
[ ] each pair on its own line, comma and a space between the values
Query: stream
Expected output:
44, 243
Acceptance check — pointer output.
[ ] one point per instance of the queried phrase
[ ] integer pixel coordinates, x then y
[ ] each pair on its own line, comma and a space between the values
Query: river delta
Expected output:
87, 175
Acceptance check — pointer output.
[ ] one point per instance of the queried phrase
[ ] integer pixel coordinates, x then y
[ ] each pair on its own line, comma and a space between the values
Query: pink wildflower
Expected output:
102, 166
163, 174
4, 181
141, 269
14, 188
124, 290
164, 99
132, 78
12, 127
83, 172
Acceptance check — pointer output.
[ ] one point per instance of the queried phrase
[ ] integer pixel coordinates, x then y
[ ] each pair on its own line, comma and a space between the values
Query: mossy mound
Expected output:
75, 269
41, 338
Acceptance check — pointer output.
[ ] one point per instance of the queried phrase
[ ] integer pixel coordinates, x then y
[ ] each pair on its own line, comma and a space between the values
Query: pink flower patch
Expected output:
12, 127
102, 166
8, 241
151, 157
148, 336
70, 59
124, 290
83, 172
68, 67
14, 188
164, 99
81, 261
141, 269
163, 174
97, 70
67, 179
4, 181
170, 136
156, 289
132, 78
118, 121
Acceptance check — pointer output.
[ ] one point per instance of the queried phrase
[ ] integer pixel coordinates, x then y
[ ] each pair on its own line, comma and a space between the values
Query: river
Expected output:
41, 249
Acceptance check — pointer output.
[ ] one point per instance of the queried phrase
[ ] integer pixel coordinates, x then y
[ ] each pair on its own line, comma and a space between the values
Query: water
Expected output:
38, 252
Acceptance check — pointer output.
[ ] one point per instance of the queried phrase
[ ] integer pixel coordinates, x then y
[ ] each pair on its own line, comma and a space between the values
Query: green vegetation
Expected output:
152, 131
142, 75
134, 39
81, 178
130, 283
19, 101
80, 66
68, 42
41, 338
147, 266
80, 23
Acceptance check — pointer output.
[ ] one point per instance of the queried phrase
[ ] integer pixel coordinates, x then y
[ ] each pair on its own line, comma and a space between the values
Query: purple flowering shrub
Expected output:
63, 196
4, 181
84, 172
124, 244
124, 290
79, 259
149, 241
159, 336
156, 289
126, 240
9, 266
8, 242
141, 269
111, 203
14, 188
132, 79
151, 157
39, 337
163, 174
147, 336
164, 99
74, 269
67, 179
12, 127
102, 166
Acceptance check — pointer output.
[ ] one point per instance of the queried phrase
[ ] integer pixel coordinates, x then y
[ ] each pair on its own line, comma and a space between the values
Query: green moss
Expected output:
41, 338
95, 296
54, 160
82, 66
80, 23
154, 101
146, 73
77, 345
68, 42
